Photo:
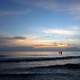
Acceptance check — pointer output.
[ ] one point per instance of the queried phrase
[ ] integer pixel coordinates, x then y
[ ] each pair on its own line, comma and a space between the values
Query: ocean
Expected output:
39, 65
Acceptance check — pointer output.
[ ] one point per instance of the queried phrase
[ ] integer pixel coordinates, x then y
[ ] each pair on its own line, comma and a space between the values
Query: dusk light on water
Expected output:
39, 39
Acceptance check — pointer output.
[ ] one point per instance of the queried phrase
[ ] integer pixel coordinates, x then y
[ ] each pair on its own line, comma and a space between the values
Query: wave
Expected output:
36, 59
62, 66
41, 70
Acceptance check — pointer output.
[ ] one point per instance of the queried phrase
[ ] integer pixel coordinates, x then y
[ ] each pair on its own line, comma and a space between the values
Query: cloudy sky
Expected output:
40, 23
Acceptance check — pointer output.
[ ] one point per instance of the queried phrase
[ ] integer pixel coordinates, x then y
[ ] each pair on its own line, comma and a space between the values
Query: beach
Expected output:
65, 67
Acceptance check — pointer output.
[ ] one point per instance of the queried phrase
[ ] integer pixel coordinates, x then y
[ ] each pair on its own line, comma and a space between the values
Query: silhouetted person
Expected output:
60, 52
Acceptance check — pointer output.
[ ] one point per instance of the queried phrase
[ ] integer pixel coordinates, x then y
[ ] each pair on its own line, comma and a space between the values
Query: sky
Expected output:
39, 24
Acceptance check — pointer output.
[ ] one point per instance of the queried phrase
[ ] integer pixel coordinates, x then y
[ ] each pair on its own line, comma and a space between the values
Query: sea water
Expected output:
37, 54
24, 67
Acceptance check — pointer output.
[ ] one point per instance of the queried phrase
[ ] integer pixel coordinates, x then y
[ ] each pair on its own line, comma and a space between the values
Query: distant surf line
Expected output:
37, 59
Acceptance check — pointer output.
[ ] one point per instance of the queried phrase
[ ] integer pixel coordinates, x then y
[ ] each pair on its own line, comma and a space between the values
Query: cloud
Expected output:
44, 4
59, 32
69, 35
71, 7
52, 45
25, 42
74, 10
40, 41
10, 41
14, 13
19, 37
7, 40
12, 38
